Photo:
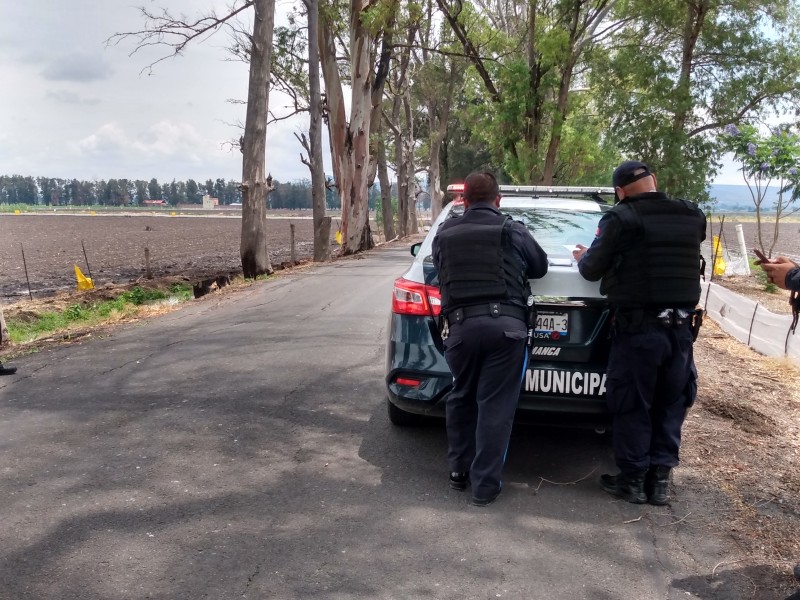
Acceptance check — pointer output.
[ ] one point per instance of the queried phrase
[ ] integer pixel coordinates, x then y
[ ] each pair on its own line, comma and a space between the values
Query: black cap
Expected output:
628, 172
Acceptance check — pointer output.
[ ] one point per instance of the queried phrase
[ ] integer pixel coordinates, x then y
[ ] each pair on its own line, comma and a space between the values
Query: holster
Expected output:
794, 302
531, 322
697, 322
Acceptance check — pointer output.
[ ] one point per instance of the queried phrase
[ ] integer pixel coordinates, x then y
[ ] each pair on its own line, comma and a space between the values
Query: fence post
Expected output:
743, 247
293, 256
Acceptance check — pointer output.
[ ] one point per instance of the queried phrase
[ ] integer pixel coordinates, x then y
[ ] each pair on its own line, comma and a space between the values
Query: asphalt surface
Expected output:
239, 448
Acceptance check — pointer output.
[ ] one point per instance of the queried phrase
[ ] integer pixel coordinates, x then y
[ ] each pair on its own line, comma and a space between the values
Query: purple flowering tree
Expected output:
772, 159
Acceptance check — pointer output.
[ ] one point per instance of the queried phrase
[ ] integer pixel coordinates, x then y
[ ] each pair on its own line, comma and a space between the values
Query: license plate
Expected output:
551, 326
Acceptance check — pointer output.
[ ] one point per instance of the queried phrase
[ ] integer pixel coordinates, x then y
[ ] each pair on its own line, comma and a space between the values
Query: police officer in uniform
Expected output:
647, 253
484, 260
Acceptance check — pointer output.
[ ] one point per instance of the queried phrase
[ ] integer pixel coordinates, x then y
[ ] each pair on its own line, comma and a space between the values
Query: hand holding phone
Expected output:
760, 256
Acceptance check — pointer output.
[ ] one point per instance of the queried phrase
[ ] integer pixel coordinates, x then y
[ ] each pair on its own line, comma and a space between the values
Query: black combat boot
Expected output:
459, 480
657, 484
628, 486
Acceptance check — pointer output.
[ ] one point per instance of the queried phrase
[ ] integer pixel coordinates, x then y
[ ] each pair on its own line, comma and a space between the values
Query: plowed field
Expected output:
190, 246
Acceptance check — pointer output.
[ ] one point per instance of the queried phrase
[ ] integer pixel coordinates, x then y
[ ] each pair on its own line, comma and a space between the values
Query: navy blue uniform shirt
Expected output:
521, 239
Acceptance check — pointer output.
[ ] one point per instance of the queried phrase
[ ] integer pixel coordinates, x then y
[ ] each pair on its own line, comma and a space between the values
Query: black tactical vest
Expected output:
479, 265
659, 261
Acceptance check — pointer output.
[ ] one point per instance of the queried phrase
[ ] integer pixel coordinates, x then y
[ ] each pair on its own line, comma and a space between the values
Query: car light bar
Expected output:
542, 189
411, 298
555, 190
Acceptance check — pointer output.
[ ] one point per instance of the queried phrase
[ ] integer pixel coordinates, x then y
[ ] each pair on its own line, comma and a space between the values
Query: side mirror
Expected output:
415, 248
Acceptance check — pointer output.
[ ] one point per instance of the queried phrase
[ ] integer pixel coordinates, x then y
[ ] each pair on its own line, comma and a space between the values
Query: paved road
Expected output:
239, 448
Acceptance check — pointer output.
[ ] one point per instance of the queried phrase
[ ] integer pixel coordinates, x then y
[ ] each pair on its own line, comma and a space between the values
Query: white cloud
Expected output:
80, 67
83, 110
66, 97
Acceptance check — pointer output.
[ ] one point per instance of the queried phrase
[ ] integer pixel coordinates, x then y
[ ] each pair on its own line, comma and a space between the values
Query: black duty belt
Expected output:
632, 320
492, 309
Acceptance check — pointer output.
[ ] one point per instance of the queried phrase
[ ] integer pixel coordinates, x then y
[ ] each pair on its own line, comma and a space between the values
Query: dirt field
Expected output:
788, 243
194, 247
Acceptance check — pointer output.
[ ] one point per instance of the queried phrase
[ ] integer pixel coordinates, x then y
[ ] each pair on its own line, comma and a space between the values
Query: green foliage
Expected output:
21, 193
139, 295
767, 158
27, 329
10, 208
667, 95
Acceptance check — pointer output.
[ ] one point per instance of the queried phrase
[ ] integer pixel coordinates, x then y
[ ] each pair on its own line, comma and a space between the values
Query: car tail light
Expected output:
411, 298
408, 381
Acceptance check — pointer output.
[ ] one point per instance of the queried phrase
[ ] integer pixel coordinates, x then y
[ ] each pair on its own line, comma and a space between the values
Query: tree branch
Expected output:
176, 33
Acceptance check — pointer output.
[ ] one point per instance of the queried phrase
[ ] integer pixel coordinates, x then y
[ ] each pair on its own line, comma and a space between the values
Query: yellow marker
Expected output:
719, 264
84, 283
92, 213
17, 212
173, 214
339, 238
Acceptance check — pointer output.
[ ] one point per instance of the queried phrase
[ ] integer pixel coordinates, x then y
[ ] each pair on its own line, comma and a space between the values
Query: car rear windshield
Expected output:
558, 230
553, 228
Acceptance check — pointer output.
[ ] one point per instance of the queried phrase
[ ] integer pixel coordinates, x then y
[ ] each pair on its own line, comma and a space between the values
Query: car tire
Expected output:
399, 417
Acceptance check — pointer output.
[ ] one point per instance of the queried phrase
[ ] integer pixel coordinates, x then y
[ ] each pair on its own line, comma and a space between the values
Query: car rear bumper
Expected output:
418, 378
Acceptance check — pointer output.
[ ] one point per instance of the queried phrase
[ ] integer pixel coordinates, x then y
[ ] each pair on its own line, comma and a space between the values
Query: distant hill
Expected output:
738, 197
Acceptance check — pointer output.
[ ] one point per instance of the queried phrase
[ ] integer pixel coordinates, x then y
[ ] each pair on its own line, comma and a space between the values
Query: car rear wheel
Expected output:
400, 417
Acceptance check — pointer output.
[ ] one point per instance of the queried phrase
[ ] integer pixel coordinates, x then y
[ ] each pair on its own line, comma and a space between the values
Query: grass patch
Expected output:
11, 208
30, 326
761, 276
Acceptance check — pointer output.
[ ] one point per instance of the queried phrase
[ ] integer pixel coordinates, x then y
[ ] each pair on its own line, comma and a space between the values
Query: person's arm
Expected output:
533, 254
792, 280
435, 254
595, 261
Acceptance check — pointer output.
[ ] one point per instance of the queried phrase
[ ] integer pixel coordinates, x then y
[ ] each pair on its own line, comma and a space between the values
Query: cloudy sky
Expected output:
73, 107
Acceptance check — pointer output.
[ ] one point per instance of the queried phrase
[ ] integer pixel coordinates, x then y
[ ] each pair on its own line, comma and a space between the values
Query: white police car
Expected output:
567, 365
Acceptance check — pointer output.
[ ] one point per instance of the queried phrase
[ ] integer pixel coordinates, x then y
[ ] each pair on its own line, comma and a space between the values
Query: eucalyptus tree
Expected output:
401, 120
350, 33
322, 223
352, 29
177, 33
676, 72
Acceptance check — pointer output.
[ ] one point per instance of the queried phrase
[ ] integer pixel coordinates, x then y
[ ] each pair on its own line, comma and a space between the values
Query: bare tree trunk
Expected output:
350, 141
408, 160
3, 329
386, 189
438, 129
695, 19
400, 169
322, 223
253, 248
559, 118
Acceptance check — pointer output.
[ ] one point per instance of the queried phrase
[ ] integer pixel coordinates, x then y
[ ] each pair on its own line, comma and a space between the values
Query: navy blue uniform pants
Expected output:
487, 357
651, 383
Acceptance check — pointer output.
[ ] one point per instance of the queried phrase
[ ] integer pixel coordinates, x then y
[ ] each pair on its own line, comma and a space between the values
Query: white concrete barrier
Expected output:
750, 322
